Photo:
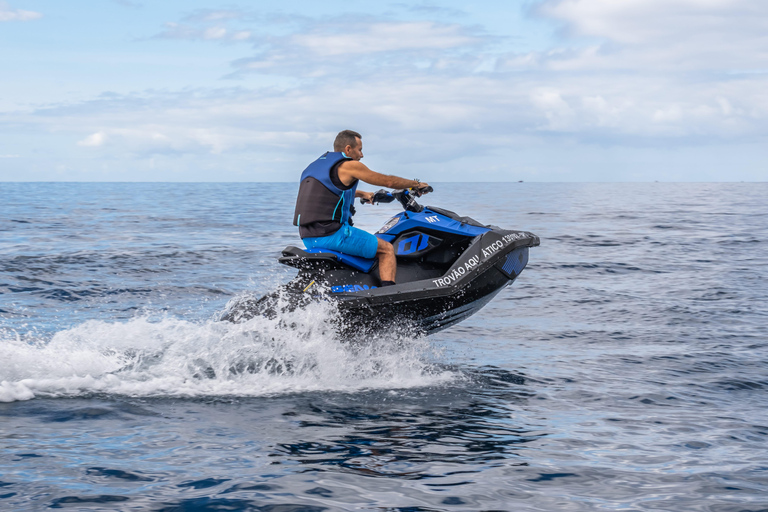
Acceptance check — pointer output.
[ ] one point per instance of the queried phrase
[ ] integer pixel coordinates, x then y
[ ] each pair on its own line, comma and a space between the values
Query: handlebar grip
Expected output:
382, 196
421, 191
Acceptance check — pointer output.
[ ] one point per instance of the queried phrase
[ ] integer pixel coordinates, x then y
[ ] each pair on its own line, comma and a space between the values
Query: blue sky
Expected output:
534, 90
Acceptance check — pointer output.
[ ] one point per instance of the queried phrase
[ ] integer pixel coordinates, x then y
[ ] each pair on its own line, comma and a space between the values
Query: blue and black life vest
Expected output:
319, 199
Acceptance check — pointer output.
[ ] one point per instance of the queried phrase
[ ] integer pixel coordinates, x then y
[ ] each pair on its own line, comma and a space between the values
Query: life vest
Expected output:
319, 199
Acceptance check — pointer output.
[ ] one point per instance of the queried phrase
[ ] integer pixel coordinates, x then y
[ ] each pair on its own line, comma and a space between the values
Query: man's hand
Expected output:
365, 197
422, 189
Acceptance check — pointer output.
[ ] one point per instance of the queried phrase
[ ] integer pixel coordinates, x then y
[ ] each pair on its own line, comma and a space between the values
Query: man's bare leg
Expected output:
387, 261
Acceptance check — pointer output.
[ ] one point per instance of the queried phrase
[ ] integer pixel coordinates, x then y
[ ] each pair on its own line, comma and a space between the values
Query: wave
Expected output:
297, 352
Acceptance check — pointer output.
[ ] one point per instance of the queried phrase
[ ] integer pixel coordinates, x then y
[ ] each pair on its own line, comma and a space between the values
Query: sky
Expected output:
532, 90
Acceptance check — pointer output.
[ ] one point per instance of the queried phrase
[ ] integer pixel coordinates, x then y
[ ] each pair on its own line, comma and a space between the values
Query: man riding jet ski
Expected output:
448, 266
325, 204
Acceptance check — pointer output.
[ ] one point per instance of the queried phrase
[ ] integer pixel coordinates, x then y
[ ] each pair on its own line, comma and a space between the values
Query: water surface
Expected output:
624, 370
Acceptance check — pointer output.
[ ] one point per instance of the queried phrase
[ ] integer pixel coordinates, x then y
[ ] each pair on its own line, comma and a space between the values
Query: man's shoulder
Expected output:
353, 165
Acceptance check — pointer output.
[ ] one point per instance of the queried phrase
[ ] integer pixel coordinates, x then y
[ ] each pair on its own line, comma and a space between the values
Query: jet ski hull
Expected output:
427, 311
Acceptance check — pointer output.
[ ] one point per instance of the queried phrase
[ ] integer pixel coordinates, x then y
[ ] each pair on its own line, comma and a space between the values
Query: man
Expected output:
324, 206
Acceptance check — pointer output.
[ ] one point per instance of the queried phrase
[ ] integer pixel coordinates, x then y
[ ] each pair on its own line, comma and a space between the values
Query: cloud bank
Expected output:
643, 75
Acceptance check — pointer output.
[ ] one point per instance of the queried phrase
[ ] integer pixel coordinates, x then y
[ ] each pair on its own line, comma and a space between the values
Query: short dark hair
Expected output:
346, 138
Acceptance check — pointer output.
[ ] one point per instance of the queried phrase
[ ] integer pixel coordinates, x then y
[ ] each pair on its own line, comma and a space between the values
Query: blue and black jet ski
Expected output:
448, 267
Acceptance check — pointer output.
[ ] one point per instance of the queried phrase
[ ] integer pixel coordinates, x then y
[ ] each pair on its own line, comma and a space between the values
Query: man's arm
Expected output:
352, 170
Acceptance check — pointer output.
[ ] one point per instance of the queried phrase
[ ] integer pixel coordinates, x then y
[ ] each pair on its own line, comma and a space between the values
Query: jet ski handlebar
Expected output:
406, 197
382, 196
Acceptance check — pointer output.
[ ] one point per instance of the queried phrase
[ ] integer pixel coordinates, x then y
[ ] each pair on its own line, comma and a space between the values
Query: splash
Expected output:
295, 352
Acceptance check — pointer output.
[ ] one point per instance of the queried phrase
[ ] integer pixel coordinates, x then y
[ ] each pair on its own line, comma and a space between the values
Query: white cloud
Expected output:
364, 48
93, 140
175, 30
9, 14
664, 34
558, 112
384, 37
669, 114
241, 35
214, 33
643, 21
424, 122
428, 108
217, 15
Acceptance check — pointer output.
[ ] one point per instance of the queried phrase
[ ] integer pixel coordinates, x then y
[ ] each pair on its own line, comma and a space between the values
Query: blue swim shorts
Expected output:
348, 240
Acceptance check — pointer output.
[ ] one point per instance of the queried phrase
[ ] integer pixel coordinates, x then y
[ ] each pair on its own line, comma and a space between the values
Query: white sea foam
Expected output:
296, 352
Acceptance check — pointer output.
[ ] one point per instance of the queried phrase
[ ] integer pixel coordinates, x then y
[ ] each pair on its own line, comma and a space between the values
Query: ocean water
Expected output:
626, 368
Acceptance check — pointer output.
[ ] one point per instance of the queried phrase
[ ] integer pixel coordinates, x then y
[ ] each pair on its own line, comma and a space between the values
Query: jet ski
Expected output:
448, 268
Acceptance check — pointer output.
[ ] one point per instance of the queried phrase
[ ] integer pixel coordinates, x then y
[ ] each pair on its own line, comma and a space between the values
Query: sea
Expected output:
626, 369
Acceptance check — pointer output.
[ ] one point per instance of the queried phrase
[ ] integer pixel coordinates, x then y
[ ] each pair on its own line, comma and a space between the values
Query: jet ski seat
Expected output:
301, 258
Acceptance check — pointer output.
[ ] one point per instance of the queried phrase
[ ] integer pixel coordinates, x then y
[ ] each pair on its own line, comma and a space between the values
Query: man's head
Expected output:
350, 144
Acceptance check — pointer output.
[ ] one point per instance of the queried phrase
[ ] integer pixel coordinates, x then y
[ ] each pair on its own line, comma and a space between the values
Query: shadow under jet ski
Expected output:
448, 268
